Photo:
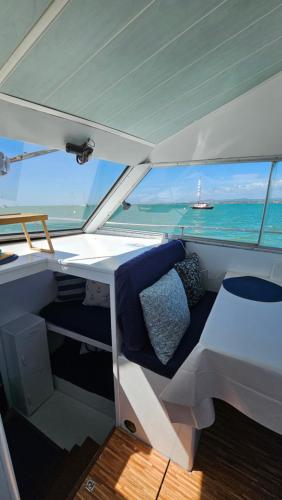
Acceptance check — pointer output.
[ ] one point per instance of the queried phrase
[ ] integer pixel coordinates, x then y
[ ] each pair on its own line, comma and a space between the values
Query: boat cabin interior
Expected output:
140, 249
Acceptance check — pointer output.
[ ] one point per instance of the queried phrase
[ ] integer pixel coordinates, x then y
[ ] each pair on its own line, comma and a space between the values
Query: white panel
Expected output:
220, 259
68, 422
247, 126
24, 295
36, 124
139, 391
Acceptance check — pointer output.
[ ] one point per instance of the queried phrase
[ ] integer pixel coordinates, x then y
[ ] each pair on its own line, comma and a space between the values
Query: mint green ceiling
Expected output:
16, 19
148, 68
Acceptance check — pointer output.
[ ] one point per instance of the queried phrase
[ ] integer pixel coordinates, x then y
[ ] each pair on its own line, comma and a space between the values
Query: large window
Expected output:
53, 184
222, 201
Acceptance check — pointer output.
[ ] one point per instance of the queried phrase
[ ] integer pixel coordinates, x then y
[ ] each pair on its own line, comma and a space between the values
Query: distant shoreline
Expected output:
214, 202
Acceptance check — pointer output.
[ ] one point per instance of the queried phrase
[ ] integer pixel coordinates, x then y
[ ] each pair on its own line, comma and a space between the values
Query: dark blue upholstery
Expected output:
147, 357
7, 260
131, 278
84, 370
90, 321
252, 288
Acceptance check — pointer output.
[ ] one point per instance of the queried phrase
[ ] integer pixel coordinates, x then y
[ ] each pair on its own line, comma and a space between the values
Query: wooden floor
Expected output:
237, 459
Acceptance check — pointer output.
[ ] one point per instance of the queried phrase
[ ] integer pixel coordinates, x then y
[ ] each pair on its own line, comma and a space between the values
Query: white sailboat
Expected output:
200, 204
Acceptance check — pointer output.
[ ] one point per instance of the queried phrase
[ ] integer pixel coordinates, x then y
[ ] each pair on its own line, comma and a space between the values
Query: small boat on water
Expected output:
200, 205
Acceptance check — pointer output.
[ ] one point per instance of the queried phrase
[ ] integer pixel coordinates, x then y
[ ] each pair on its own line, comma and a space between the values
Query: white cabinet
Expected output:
27, 362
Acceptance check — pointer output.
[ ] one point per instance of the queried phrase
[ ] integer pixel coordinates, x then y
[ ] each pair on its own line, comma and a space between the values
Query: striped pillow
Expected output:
69, 287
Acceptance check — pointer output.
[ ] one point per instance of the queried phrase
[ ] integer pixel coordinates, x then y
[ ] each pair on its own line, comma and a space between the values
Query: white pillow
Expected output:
97, 294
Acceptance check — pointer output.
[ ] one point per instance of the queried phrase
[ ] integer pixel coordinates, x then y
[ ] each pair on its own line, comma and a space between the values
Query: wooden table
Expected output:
23, 219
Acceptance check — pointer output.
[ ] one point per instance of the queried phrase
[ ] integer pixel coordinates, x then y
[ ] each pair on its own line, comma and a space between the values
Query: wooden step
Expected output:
73, 471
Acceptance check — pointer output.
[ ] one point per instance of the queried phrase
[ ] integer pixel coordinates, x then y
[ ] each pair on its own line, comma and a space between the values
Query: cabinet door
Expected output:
32, 349
34, 366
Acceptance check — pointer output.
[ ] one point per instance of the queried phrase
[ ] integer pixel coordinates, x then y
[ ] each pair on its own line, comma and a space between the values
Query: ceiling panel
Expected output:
147, 67
212, 105
17, 18
215, 43
80, 31
227, 60
234, 81
157, 25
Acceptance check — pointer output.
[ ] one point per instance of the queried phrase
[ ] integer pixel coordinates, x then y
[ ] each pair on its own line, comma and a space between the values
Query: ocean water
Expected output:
60, 217
226, 221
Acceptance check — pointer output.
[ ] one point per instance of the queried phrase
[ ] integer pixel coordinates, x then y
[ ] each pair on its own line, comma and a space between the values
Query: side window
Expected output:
53, 184
222, 202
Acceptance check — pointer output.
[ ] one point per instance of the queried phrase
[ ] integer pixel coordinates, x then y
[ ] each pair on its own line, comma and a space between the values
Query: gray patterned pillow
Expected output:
96, 294
190, 274
166, 314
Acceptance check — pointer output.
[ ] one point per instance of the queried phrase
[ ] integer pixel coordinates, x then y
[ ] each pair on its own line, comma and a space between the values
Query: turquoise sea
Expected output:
226, 221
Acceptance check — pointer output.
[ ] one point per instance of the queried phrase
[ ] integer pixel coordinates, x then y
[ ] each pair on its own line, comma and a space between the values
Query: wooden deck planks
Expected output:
237, 459
126, 469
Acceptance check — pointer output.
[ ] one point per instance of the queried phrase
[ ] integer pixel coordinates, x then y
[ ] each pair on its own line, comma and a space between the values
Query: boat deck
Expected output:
237, 459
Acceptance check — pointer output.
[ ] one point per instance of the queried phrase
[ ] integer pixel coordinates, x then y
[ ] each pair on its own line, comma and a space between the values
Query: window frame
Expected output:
210, 241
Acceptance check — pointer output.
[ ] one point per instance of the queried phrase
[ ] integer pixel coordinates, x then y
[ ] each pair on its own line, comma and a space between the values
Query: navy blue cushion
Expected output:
147, 357
131, 278
91, 321
7, 259
84, 370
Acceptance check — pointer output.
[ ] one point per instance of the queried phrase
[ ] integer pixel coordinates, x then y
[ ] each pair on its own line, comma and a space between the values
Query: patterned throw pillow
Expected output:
190, 274
97, 294
69, 287
166, 314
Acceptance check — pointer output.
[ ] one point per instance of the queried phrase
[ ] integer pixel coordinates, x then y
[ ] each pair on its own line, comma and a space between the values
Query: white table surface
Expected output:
238, 359
94, 256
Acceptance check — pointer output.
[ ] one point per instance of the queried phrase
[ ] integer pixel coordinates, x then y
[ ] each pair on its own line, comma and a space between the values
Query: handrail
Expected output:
180, 226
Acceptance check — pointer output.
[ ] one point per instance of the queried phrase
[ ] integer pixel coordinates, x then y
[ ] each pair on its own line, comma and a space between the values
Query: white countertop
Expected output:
95, 256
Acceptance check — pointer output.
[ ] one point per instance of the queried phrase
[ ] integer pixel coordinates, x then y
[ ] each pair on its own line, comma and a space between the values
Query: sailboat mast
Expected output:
199, 191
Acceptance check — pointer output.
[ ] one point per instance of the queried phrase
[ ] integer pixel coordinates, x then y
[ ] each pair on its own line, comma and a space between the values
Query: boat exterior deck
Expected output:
237, 459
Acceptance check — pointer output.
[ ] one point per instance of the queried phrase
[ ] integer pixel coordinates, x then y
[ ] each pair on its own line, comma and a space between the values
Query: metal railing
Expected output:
199, 228
194, 228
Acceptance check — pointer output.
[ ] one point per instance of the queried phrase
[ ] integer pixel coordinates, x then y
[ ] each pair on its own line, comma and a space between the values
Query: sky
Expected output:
219, 182
56, 179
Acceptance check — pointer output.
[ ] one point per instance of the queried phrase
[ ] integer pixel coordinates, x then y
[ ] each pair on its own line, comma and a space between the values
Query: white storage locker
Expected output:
27, 362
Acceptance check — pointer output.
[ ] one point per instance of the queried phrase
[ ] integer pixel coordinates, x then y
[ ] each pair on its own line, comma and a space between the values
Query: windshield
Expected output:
53, 184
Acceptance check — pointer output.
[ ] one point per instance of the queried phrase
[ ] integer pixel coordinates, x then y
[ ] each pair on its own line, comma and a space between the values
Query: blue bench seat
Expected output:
134, 276
90, 321
147, 357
